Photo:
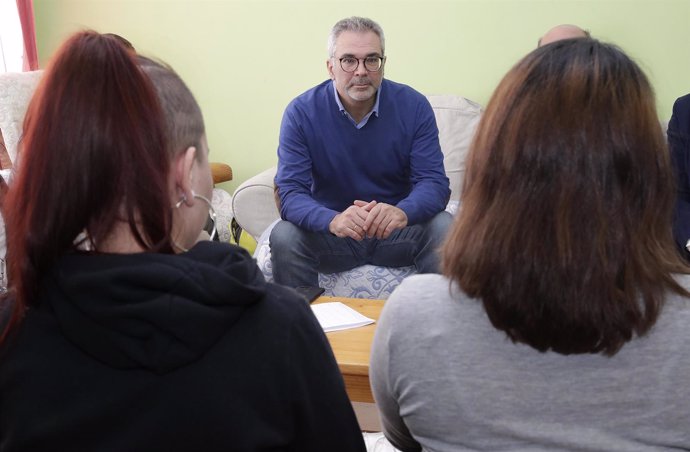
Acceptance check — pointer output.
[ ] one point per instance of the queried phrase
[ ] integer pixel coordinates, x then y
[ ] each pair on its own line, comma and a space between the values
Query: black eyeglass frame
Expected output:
381, 62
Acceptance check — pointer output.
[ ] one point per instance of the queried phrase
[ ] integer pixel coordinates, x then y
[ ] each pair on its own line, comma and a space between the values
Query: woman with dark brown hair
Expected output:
561, 321
121, 331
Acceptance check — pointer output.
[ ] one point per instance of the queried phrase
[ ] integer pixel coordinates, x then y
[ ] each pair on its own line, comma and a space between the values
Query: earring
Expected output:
182, 200
174, 243
211, 213
84, 242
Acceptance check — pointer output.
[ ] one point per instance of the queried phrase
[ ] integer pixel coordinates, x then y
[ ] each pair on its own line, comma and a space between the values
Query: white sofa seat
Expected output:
365, 281
255, 209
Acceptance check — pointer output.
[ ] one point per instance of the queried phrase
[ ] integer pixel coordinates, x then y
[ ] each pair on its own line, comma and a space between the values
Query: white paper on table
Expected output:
336, 316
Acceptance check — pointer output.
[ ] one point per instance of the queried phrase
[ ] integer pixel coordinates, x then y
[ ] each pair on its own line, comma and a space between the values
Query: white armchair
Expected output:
16, 90
255, 209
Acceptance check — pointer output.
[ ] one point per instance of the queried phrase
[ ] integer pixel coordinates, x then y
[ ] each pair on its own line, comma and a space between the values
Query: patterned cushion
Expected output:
16, 90
5, 161
222, 204
367, 281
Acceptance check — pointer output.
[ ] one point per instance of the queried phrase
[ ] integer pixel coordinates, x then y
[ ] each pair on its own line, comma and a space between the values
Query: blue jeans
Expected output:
298, 255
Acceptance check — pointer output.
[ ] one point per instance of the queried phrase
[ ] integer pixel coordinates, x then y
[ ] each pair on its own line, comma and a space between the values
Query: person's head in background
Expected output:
106, 157
565, 230
565, 31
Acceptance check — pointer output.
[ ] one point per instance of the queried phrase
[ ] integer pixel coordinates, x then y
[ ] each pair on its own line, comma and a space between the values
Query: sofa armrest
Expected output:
221, 172
253, 203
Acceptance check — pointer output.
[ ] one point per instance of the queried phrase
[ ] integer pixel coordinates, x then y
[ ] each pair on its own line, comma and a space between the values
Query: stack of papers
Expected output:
336, 316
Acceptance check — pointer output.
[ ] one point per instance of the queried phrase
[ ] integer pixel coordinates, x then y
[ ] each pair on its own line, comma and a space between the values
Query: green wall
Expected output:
245, 60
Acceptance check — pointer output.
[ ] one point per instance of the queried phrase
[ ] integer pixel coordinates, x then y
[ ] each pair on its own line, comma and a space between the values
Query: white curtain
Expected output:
11, 39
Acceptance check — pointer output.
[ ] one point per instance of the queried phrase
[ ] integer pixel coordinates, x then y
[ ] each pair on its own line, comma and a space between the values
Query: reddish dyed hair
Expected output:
93, 154
564, 232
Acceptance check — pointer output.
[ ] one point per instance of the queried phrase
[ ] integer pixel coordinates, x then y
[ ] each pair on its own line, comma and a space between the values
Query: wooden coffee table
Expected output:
352, 347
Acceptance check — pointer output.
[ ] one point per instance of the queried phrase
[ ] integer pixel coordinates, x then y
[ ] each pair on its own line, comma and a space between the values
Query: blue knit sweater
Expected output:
325, 162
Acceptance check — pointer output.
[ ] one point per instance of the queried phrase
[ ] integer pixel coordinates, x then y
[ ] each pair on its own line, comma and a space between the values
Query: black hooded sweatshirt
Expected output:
155, 352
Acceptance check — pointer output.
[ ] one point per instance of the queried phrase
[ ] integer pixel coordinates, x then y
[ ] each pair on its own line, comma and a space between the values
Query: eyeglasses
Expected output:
371, 64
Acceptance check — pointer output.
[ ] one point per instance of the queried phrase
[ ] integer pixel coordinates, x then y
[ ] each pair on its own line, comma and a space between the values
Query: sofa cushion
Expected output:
222, 204
457, 119
365, 281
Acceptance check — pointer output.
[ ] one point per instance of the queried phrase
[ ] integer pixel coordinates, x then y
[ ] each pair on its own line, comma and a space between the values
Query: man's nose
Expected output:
361, 70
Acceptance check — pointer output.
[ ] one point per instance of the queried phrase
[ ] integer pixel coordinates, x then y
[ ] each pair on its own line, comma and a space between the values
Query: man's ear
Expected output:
184, 163
329, 68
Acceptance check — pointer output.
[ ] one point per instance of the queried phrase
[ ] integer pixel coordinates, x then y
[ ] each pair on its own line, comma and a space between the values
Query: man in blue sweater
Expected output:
360, 170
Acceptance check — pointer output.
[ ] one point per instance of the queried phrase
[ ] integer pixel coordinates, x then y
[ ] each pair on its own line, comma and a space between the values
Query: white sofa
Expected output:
255, 210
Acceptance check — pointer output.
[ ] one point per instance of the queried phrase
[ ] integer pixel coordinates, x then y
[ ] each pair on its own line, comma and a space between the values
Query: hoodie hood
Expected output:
152, 311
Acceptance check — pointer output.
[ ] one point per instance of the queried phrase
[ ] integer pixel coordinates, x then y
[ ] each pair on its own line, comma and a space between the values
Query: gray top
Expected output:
445, 379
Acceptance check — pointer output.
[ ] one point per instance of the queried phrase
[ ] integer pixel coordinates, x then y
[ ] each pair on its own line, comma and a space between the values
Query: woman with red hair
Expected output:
121, 330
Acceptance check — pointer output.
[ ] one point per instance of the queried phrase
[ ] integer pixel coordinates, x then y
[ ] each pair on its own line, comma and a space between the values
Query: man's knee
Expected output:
438, 226
283, 236
435, 230
291, 256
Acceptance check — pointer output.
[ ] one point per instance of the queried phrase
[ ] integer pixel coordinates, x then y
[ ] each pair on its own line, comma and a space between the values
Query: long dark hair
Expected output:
565, 228
93, 154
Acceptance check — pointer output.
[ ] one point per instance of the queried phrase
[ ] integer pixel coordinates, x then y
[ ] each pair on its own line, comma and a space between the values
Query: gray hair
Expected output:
358, 25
